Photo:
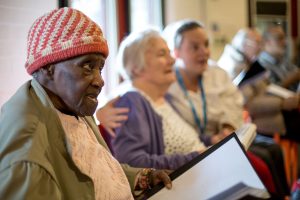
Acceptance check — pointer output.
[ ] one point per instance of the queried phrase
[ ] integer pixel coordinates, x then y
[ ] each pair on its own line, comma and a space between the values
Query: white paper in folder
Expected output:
246, 134
222, 167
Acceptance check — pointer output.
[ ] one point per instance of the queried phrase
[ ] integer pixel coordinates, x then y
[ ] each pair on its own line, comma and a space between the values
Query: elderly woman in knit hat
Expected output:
50, 146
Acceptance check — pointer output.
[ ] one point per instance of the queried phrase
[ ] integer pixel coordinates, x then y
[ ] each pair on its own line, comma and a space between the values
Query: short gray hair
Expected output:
132, 49
239, 39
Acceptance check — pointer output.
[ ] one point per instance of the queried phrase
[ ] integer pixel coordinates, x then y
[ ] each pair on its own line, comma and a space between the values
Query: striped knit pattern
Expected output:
61, 34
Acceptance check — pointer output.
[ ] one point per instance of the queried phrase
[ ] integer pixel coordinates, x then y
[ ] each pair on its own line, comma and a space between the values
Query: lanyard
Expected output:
195, 115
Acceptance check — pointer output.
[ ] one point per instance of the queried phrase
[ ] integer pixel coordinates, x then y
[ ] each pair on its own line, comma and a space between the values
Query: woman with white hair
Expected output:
154, 135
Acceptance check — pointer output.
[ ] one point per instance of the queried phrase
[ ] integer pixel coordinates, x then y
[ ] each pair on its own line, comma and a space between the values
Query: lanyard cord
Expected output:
195, 115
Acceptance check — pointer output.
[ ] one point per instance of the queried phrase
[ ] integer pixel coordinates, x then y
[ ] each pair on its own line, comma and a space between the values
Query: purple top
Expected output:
139, 141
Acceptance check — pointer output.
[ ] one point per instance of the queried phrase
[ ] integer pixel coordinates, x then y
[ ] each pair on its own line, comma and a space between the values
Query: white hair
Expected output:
132, 49
239, 39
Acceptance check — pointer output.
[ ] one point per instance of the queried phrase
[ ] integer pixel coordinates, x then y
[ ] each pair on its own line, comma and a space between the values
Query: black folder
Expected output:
255, 71
180, 190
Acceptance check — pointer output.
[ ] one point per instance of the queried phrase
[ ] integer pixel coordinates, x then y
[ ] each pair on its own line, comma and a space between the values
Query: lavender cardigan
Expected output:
139, 141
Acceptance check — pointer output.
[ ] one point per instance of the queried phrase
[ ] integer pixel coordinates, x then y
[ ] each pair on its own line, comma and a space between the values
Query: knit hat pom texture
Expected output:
61, 34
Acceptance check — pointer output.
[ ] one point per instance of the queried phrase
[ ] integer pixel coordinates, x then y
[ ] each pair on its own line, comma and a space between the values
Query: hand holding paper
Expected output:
211, 174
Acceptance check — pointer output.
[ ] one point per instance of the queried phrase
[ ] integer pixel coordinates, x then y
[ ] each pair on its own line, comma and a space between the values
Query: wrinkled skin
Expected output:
73, 85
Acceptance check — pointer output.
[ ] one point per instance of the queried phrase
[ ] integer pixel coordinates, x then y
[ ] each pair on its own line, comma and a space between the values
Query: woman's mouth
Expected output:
93, 98
169, 71
202, 62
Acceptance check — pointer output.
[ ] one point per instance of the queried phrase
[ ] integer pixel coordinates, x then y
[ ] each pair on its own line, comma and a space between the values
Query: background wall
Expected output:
16, 17
222, 18
178, 9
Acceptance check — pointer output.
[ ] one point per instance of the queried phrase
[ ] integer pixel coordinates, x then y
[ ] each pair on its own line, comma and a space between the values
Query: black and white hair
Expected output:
184, 26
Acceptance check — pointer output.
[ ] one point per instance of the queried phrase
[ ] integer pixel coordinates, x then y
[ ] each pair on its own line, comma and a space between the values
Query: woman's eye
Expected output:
87, 66
207, 44
161, 54
195, 47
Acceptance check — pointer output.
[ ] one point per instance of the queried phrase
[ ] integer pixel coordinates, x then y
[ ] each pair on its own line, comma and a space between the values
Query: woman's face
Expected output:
194, 50
77, 82
276, 45
252, 46
158, 68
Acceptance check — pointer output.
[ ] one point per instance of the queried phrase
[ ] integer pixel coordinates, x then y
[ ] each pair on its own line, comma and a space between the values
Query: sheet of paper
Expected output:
223, 168
280, 91
246, 134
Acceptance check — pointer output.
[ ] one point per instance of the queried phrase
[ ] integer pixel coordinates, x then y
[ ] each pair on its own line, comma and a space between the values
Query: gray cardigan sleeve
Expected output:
139, 140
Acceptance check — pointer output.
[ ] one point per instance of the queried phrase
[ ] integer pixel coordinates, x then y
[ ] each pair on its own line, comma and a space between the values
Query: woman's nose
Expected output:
204, 51
97, 79
172, 60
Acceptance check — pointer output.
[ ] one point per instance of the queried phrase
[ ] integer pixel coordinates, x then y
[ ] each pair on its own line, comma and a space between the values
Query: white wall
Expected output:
16, 17
181, 9
227, 15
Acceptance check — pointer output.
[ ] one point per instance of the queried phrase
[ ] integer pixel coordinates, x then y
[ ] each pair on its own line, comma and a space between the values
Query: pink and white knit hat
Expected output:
61, 34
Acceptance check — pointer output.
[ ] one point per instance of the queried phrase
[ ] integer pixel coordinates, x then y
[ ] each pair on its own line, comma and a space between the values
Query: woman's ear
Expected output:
48, 71
45, 75
136, 72
176, 53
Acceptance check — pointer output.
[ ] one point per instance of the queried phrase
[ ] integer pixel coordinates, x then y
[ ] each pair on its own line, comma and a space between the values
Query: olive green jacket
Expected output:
34, 162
